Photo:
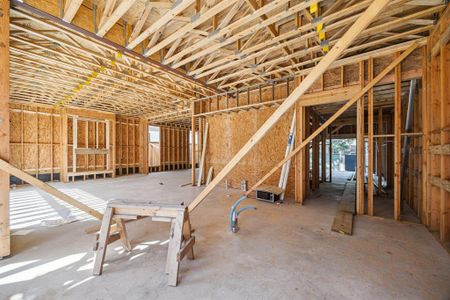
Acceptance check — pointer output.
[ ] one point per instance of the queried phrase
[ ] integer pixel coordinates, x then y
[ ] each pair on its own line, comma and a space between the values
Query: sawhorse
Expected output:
181, 241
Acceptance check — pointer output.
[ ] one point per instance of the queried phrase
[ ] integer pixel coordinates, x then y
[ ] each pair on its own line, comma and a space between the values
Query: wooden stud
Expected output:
370, 141
5, 248
193, 147
360, 147
397, 140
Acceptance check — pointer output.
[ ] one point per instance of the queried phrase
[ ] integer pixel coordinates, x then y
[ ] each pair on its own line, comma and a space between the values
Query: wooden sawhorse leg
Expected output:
181, 243
103, 241
123, 234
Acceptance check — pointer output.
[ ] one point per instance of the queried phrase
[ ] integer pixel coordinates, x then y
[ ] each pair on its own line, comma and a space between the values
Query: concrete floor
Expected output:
282, 251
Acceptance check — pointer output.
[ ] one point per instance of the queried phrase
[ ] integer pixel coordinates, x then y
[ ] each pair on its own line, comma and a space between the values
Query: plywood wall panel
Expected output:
228, 133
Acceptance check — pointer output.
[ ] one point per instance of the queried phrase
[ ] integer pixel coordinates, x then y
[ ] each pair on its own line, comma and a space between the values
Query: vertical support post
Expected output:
111, 146
370, 141
5, 244
397, 139
315, 154
324, 157
64, 147
330, 154
300, 174
193, 144
426, 137
360, 147
143, 149
307, 152
380, 150
74, 145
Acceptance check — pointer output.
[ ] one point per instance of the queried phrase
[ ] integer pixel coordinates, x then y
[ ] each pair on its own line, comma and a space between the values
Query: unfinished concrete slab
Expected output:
281, 251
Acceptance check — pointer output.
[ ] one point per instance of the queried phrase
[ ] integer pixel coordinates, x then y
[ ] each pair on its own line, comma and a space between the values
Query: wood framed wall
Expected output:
235, 116
127, 145
435, 208
35, 141
174, 147
42, 143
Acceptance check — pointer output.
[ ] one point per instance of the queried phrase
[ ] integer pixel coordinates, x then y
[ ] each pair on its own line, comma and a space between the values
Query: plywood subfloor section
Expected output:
282, 251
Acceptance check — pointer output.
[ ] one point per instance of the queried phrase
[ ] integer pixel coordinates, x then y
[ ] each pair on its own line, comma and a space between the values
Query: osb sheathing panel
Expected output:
15, 123
34, 138
29, 125
228, 133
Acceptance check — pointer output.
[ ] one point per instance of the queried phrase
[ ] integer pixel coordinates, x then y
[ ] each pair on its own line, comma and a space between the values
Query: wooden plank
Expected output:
360, 146
202, 160
187, 248
337, 114
440, 149
103, 242
110, 20
5, 248
166, 18
70, 9
300, 173
6, 167
343, 223
176, 235
141, 21
370, 140
444, 39
360, 24
397, 141
87, 151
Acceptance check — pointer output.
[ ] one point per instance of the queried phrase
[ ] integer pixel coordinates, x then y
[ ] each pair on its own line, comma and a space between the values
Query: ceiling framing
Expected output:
225, 44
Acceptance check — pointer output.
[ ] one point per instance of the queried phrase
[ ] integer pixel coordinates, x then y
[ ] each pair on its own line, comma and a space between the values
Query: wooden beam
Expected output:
424, 105
370, 141
193, 129
440, 149
166, 18
300, 174
443, 40
330, 154
397, 140
360, 24
70, 9
340, 111
271, 27
5, 248
181, 32
141, 21
360, 146
108, 23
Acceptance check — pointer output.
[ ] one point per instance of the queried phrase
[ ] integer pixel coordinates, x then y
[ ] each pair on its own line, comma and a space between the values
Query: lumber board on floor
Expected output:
343, 223
347, 203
